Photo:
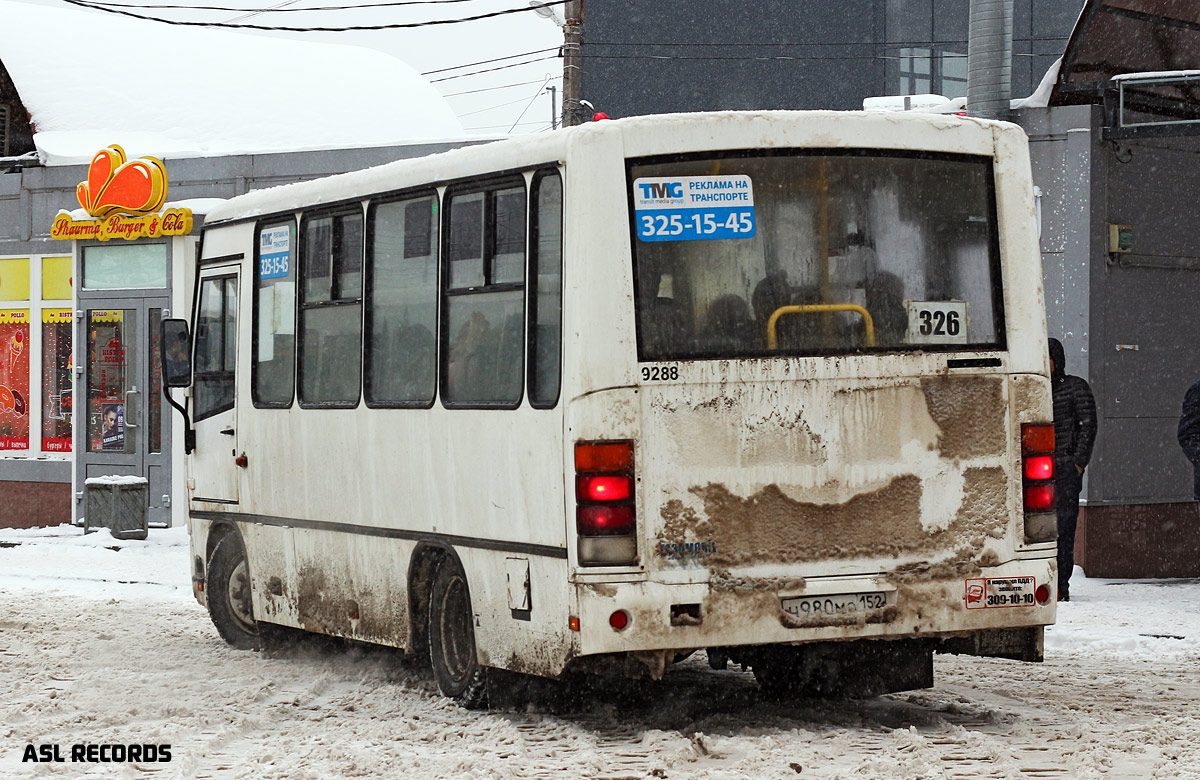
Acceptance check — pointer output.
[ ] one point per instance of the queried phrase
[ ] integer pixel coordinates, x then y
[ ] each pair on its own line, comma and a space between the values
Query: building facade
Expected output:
660, 56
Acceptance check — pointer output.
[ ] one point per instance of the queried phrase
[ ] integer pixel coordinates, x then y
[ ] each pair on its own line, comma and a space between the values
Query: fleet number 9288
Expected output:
660, 373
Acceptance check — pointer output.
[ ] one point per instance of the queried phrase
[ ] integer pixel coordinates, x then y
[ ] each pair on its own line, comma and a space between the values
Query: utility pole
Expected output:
553, 90
572, 64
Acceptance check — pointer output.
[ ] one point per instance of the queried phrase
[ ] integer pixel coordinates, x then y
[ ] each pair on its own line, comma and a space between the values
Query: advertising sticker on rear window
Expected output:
693, 208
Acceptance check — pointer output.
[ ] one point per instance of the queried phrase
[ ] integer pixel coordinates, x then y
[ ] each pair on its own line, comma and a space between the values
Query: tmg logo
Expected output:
661, 189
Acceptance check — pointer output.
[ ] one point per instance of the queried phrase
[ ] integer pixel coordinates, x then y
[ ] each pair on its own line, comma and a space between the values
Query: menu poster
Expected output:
14, 379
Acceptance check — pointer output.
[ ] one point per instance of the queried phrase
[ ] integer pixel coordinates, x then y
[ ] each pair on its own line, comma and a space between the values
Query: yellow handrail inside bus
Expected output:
820, 308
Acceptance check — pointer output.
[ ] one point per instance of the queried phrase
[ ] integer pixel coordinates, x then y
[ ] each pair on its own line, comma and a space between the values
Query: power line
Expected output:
492, 89
485, 62
493, 108
492, 70
397, 26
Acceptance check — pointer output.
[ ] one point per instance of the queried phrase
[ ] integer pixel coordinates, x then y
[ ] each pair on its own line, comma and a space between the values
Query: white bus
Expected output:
772, 385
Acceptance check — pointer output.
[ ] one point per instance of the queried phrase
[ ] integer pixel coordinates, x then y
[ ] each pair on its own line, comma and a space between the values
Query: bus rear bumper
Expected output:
648, 616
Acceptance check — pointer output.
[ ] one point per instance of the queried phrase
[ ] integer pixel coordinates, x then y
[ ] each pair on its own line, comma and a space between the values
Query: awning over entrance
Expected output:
1115, 37
1141, 60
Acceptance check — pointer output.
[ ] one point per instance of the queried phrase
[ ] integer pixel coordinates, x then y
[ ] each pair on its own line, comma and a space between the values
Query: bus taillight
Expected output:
1039, 498
1039, 467
603, 488
1037, 484
605, 518
601, 456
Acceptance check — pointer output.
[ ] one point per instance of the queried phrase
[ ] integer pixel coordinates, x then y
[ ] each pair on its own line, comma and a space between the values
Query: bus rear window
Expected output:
814, 253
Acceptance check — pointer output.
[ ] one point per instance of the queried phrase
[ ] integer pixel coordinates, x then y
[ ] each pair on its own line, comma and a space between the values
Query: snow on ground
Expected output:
101, 642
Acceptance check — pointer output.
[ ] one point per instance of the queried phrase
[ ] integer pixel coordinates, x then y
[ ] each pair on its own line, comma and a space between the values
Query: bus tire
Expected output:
229, 602
452, 650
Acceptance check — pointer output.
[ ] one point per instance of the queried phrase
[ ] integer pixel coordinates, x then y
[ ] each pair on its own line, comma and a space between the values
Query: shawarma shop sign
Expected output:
124, 197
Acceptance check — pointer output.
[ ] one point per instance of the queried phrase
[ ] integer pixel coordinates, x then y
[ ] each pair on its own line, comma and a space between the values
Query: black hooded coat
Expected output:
1074, 414
1189, 433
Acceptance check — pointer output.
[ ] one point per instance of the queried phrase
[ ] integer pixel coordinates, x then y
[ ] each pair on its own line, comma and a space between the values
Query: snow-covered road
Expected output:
106, 646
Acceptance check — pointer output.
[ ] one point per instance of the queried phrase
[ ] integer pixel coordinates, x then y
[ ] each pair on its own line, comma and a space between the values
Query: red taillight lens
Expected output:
605, 488
603, 456
1039, 467
1039, 498
1042, 594
619, 619
604, 520
1037, 438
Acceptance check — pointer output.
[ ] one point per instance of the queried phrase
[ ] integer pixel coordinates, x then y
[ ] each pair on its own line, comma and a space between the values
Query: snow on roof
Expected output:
524, 151
89, 80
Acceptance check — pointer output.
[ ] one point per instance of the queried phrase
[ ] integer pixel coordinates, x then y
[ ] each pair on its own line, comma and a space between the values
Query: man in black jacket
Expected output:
1074, 435
1189, 434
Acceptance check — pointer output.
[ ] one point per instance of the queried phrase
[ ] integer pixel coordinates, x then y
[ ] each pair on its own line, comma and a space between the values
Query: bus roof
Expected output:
639, 136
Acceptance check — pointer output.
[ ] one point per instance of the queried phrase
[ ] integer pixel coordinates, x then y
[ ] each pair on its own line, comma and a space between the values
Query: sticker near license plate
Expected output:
1001, 592
841, 605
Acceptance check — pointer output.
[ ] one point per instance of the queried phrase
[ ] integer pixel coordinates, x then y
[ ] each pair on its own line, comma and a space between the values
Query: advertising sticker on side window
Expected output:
693, 208
275, 252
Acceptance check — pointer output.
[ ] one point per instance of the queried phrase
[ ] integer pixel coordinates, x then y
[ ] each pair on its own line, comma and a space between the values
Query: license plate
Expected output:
994, 592
869, 607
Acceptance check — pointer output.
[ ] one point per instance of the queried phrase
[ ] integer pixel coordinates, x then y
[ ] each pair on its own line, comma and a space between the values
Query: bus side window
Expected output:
274, 374
216, 354
545, 304
484, 300
401, 312
331, 310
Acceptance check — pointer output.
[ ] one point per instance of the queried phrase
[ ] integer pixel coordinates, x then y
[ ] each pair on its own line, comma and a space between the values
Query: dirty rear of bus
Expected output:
832, 463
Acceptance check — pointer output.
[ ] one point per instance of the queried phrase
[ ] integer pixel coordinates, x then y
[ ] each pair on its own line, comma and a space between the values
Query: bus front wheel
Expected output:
452, 639
229, 602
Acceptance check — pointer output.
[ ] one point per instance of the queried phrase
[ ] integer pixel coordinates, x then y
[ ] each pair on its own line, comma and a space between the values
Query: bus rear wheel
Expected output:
452, 639
229, 602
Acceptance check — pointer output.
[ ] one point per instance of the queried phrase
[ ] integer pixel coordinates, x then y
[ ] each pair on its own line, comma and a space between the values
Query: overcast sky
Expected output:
510, 97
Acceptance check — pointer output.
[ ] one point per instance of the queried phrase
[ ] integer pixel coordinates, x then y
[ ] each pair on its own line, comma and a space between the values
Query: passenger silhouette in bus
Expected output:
728, 326
769, 295
885, 303
665, 327
465, 370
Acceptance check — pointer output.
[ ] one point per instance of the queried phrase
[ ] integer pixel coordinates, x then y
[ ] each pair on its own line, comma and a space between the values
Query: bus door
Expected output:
214, 471
123, 434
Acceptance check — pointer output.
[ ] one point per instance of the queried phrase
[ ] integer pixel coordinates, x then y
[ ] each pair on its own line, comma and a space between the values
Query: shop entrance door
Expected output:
122, 431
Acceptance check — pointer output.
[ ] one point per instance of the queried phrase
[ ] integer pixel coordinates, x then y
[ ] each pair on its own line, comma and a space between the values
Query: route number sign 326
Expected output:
936, 322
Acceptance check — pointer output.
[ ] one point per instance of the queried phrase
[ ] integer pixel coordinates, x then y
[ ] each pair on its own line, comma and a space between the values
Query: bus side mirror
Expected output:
176, 354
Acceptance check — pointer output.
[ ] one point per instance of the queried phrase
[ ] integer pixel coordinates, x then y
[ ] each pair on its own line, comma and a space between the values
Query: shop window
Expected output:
14, 279
274, 375
216, 347
58, 378
14, 378
545, 301
483, 359
401, 316
56, 279
331, 311
125, 267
